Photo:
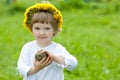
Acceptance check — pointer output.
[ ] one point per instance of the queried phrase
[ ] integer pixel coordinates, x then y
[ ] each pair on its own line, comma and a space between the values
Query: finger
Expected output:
43, 51
47, 60
48, 53
39, 51
35, 62
43, 60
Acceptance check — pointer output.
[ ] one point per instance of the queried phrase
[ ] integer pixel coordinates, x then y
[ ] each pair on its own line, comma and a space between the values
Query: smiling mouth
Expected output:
42, 37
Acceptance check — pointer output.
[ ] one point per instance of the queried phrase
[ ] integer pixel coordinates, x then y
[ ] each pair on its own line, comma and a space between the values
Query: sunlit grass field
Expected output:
92, 37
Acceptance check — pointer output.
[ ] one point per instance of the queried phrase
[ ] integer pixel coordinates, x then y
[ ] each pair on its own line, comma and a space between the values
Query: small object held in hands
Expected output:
40, 55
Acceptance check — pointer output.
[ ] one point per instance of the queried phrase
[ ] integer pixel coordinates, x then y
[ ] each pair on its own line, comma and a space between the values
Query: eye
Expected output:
37, 28
47, 28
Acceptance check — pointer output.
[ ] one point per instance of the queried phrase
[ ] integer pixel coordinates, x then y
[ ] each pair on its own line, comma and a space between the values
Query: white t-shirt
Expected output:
53, 71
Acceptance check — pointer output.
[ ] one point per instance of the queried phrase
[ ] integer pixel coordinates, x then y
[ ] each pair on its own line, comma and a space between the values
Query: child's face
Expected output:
43, 33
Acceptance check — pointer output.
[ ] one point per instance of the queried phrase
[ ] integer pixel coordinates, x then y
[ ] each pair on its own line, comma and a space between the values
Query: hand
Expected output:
39, 65
39, 55
48, 53
57, 58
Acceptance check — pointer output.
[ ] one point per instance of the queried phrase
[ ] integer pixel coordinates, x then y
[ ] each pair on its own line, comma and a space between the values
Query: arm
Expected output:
70, 60
27, 67
63, 59
57, 58
39, 65
23, 64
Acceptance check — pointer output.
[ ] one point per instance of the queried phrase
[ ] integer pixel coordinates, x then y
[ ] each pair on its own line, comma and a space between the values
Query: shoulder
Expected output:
59, 47
29, 44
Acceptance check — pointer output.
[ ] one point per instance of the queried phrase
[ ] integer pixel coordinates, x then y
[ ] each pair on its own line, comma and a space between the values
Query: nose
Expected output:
41, 32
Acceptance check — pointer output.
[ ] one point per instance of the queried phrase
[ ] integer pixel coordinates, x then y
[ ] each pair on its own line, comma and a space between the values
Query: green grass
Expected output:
92, 37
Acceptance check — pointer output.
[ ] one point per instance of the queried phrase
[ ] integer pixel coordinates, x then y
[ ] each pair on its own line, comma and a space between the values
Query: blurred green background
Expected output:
91, 32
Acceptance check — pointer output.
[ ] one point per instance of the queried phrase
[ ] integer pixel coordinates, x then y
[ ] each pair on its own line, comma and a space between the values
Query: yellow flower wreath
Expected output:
42, 6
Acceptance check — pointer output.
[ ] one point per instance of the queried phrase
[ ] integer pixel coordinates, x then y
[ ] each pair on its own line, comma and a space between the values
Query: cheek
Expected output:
34, 33
51, 33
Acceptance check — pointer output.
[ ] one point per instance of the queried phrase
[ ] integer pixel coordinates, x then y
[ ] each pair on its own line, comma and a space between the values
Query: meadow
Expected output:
92, 36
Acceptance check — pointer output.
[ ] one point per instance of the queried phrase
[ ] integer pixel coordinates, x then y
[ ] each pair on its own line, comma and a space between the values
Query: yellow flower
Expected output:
42, 6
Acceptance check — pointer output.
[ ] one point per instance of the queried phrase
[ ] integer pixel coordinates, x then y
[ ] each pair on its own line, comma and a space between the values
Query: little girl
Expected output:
44, 21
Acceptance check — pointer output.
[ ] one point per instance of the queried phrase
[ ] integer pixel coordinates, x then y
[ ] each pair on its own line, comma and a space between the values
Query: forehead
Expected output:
42, 25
